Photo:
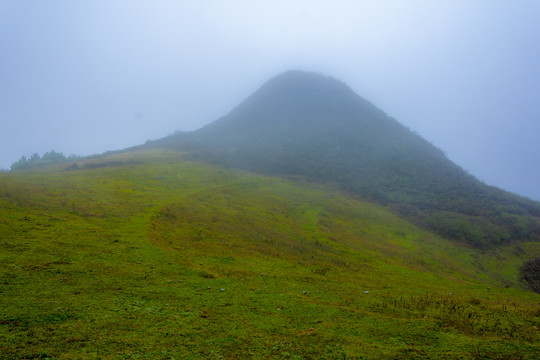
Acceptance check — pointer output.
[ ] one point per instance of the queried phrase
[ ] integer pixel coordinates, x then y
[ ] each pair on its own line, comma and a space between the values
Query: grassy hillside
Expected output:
146, 255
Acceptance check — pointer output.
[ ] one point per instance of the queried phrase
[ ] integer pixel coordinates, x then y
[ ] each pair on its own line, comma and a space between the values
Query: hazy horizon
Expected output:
88, 77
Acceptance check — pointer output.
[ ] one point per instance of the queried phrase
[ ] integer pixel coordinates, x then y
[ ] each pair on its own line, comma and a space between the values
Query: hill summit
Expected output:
310, 125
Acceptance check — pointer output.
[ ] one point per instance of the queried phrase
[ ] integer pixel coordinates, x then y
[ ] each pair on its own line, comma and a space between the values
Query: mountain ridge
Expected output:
314, 126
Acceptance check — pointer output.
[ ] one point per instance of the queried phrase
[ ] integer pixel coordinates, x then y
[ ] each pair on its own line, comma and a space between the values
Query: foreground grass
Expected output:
148, 256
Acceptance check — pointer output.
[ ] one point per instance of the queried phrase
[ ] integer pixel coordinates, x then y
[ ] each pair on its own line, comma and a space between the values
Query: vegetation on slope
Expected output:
530, 274
146, 255
308, 125
35, 160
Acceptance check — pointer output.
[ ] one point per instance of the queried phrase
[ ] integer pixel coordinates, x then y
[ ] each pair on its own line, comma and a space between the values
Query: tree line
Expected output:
35, 159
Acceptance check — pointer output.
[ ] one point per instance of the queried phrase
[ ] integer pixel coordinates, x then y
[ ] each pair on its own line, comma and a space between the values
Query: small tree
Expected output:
20, 164
52, 157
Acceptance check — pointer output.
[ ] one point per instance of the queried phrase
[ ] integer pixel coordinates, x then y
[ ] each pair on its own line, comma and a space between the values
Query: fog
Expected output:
86, 77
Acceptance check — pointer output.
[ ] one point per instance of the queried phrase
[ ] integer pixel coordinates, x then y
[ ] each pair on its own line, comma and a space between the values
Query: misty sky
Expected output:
83, 77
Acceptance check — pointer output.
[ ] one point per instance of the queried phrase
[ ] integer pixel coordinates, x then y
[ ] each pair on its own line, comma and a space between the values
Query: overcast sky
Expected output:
83, 77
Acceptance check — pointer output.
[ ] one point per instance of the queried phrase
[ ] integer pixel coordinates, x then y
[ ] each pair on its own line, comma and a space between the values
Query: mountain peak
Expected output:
297, 85
305, 80
301, 97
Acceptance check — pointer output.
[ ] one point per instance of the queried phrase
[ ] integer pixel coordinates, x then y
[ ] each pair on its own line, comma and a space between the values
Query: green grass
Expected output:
144, 255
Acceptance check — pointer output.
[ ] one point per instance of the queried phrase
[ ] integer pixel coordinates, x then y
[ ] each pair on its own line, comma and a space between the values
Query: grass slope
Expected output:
145, 255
